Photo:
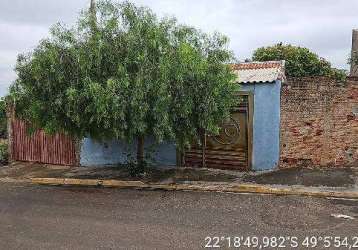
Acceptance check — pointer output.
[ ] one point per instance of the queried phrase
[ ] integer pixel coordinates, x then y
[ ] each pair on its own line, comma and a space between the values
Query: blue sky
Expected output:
322, 26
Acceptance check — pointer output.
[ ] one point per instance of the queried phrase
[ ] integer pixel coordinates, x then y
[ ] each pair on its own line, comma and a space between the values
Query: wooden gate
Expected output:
232, 148
39, 147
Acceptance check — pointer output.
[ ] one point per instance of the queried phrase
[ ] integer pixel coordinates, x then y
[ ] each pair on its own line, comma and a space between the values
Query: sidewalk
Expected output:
327, 182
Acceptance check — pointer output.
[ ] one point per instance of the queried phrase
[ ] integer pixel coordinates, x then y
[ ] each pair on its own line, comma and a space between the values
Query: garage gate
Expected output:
232, 148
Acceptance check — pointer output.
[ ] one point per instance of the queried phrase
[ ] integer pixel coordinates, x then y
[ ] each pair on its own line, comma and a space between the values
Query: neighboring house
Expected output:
249, 140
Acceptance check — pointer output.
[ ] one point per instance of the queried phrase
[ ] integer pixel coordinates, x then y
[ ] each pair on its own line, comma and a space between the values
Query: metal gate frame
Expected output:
249, 126
250, 123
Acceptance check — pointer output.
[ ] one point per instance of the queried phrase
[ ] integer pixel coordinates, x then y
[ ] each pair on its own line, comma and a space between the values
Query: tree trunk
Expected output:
93, 17
203, 149
92, 7
140, 150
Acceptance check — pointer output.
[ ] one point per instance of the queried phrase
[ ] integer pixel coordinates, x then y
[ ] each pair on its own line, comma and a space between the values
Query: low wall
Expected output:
95, 153
319, 122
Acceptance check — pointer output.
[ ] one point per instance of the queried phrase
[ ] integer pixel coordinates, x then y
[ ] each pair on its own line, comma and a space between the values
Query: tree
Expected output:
299, 61
123, 73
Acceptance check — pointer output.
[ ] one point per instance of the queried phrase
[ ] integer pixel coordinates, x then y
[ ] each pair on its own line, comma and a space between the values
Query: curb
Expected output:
228, 188
14, 180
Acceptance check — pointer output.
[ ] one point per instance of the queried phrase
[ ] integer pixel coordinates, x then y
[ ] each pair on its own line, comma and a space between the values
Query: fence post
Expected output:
10, 112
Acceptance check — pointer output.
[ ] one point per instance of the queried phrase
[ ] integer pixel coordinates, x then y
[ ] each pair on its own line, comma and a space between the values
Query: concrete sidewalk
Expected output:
327, 182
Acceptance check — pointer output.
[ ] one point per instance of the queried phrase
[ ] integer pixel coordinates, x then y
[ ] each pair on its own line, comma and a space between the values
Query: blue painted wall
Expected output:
94, 153
266, 124
266, 136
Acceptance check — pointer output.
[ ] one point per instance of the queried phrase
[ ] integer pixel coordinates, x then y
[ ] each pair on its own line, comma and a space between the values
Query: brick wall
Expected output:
319, 122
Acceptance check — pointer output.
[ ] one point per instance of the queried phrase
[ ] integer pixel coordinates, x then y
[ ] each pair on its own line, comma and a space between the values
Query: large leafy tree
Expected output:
123, 73
300, 61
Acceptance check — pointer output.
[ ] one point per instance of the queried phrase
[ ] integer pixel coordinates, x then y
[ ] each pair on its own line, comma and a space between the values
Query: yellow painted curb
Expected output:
232, 188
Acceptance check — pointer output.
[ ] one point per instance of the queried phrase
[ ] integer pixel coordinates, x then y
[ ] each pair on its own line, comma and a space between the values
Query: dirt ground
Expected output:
166, 175
329, 177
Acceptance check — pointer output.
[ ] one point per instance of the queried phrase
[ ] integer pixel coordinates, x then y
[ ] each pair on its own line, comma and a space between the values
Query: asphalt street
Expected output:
42, 217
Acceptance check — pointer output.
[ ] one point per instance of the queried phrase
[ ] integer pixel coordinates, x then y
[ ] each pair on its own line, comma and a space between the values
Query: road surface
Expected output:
40, 217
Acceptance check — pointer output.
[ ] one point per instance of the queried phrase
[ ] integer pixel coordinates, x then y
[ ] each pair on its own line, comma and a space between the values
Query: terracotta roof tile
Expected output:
256, 72
257, 65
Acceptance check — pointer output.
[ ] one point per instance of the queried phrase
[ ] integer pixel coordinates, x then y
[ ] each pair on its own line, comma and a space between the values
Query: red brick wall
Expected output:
319, 122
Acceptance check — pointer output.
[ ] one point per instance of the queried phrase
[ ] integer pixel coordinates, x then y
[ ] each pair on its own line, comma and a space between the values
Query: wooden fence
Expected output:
39, 147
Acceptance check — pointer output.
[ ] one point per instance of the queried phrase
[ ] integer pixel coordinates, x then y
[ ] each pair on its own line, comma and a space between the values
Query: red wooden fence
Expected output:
39, 147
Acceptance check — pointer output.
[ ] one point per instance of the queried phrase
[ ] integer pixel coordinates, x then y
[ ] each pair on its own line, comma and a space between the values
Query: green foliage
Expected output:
299, 61
3, 119
134, 168
126, 74
137, 168
201, 84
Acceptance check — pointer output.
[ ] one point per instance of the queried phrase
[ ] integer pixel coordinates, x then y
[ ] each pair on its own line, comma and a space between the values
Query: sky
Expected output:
324, 26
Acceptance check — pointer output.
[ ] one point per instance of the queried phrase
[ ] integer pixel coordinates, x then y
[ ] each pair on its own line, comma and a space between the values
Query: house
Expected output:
249, 140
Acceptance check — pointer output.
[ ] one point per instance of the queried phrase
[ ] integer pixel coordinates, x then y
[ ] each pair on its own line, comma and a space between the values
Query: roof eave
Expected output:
256, 82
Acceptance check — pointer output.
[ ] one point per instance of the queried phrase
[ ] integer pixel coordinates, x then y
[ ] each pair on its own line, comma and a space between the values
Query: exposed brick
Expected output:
319, 122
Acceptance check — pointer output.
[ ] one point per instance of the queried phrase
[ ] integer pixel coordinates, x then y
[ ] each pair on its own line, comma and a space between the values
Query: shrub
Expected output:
135, 169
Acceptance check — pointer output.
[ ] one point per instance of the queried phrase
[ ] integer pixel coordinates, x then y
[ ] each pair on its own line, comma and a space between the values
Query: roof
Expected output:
260, 72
